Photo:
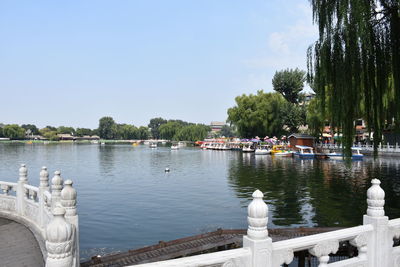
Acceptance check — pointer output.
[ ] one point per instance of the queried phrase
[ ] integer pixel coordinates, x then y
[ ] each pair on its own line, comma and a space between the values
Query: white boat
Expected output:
210, 146
225, 147
248, 148
262, 150
181, 144
356, 154
153, 145
305, 152
174, 147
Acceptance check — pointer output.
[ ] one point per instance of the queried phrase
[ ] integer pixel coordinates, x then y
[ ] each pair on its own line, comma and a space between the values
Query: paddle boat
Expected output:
355, 154
280, 151
174, 147
263, 150
153, 145
248, 148
305, 152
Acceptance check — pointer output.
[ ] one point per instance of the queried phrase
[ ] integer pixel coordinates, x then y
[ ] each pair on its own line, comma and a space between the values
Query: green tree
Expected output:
129, 132
193, 132
227, 131
66, 130
357, 60
83, 131
154, 124
315, 119
48, 133
33, 129
293, 116
51, 128
258, 115
143, 133
106, 128
289, 83
14, 131
169, 129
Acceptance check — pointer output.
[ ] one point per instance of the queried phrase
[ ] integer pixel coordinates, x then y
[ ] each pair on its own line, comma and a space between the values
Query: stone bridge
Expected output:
39, 225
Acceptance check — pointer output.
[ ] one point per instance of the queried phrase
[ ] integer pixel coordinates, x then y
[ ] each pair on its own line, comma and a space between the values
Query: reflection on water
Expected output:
126, 200
315, 192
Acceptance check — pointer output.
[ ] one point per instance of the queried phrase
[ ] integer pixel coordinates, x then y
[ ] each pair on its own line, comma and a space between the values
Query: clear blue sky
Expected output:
72, 62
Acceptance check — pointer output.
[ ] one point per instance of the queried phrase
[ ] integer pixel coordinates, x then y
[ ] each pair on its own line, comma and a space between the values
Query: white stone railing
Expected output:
373, 240
49, 214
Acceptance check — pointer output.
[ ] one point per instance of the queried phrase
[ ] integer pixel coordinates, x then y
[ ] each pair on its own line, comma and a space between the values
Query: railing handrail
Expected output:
394, 223
8, 183
306, 242
31, 187
205, 259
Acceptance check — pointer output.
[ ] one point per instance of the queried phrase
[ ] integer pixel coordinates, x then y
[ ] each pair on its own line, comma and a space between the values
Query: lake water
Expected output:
126, 200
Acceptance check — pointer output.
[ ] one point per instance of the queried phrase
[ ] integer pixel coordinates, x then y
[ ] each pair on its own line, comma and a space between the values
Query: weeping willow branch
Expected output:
354, 67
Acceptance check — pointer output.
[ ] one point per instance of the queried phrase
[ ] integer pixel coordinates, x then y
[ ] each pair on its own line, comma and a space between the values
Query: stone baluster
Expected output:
56, 187
380, 241
322, 251
360, 242
397, 147
21, 191
387, 146
380, 146
68, 201
5, 188
59, 240
257, 239
44, 186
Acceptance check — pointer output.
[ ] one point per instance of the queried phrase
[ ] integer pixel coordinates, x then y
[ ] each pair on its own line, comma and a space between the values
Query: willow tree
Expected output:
355, 63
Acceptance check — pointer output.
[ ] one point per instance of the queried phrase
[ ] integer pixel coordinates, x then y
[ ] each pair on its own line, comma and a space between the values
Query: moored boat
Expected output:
248, 148
280, 151
153, 145
305, 152
356, 154
174, 147
263, 150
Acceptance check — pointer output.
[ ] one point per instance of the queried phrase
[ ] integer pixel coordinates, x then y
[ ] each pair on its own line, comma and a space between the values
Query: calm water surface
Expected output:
126, 200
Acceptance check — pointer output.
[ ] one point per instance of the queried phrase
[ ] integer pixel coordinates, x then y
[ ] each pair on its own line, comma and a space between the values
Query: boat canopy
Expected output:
304, 147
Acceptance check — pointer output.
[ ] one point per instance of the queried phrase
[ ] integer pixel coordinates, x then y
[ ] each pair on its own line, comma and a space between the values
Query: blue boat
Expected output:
356, 154
305, 152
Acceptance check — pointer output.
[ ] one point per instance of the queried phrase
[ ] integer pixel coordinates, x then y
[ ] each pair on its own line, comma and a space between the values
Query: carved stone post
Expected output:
44, 186
57, 185
21, 192
59, 240
68, 201
322, 251
257, 239
380, 242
